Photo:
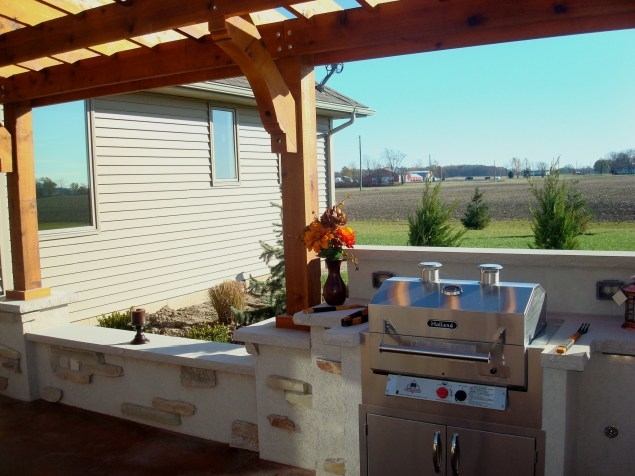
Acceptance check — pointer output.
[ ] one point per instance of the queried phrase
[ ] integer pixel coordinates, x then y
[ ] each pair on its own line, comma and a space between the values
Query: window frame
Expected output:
216, 180
93, 228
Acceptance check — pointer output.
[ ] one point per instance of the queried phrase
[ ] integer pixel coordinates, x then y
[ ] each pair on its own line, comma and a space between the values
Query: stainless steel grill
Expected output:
467, 330
454, 351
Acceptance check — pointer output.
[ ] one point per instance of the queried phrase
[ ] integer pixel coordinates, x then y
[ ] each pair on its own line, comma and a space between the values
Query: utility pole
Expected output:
360, 161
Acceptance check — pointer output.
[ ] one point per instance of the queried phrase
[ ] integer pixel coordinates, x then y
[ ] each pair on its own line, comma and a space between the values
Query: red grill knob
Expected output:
442, 392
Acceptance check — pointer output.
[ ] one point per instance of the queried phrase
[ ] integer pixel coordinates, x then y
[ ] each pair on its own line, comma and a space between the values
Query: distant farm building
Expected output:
419, 176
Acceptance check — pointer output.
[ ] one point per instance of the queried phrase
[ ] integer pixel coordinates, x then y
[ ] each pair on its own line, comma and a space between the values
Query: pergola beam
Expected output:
117, 21
87, 77
408, 27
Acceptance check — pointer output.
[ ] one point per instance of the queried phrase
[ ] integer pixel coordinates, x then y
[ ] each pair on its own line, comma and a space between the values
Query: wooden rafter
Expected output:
394, 28
87, 77
115, 22
408, 27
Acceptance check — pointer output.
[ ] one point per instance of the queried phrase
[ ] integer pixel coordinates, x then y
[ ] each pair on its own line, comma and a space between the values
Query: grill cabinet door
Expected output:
404, 447
487, 453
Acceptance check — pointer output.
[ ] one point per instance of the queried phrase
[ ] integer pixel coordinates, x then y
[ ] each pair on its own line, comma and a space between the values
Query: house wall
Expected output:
165, 233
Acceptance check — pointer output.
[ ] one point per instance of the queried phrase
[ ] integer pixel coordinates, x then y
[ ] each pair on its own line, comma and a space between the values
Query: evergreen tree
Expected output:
477, 215
561, 213
430, 225
273, 289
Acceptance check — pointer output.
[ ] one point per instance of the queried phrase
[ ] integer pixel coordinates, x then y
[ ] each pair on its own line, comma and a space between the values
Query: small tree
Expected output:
273, 289
477, 215
561, 213
430, 225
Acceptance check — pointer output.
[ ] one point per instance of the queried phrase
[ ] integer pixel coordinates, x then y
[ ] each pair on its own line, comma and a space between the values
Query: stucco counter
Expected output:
583, 397
309, 390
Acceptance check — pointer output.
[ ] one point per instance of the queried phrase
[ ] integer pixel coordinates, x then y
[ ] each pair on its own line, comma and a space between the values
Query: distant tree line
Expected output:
45, 187
387, 169
617, 163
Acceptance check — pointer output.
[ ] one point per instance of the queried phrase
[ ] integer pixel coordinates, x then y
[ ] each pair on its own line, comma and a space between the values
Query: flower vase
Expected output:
334, 291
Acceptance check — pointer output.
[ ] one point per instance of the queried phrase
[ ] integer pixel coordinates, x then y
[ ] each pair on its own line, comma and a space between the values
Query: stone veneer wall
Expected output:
168, 386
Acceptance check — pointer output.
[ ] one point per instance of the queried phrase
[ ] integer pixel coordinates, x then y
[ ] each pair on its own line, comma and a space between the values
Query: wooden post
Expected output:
300, 188
25, 245
6, 156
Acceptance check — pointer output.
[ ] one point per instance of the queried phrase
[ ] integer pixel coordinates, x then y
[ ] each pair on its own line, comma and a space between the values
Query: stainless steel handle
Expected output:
437, 456
455, 454
435, 353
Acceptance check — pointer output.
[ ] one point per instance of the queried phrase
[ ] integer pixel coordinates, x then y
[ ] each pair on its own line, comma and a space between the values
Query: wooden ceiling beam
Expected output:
94, 76
117, 21
411, 26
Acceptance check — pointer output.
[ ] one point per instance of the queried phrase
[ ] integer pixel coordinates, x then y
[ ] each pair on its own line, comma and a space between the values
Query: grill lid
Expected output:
458, 295
460, 309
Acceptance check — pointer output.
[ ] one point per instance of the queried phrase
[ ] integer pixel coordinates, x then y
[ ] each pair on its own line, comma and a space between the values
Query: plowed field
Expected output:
611, 198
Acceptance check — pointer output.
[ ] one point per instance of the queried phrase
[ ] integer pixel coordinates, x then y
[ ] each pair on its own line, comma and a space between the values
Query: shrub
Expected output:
430, 225
213, 332
224, 296
116, 320
477, 215
561, 213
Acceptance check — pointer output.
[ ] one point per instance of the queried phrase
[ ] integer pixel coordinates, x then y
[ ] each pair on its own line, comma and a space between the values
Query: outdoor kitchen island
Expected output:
582, 425
576, 401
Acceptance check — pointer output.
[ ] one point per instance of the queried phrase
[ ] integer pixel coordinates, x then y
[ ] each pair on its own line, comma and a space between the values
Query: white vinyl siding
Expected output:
165, 230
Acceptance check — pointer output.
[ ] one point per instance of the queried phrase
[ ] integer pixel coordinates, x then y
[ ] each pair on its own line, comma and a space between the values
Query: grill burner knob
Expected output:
442, 392
460, 395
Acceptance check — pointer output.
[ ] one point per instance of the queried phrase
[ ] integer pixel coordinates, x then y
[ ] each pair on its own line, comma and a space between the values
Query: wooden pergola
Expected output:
53, 51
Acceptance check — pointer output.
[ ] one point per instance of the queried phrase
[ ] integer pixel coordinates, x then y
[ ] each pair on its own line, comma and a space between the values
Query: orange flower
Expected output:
316, 237
347, 235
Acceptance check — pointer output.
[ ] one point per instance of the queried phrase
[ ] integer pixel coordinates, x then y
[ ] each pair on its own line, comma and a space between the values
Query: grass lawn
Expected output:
613, 236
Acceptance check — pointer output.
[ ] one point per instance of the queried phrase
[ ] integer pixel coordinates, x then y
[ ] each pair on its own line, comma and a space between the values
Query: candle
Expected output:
139, 317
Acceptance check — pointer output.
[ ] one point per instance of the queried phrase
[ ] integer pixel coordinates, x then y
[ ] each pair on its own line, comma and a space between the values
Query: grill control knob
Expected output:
442, 392
460, 395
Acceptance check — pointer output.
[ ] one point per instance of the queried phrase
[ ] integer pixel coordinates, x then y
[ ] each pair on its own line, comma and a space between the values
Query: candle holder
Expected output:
139, 322
629, 306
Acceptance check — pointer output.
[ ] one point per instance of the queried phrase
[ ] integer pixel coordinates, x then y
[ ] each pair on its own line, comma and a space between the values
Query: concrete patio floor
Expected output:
38, 438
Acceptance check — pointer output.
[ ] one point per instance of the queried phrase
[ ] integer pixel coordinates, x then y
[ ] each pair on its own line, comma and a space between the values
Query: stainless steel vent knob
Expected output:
430, 271
489, 274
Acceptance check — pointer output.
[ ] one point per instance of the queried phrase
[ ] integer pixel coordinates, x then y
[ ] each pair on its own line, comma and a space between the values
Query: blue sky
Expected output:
569, 97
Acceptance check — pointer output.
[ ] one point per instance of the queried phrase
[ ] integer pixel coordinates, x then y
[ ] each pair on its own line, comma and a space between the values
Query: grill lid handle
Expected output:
405, 347
489, 274
430, 271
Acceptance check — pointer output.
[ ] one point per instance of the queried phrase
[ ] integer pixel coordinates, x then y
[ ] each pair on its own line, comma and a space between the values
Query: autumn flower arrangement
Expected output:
329, 234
